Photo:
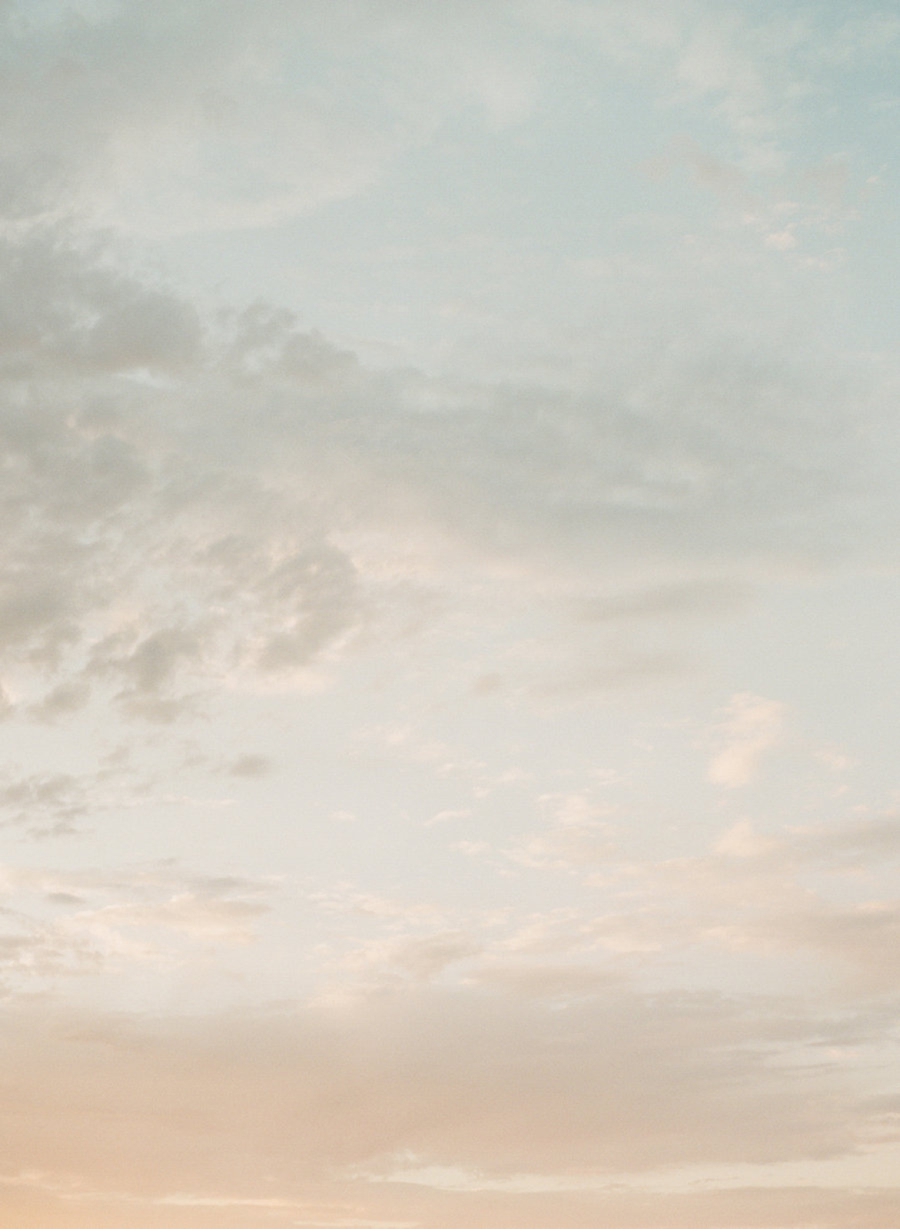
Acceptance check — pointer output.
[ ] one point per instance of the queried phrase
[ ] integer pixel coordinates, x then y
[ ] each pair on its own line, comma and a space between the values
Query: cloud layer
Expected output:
447, 666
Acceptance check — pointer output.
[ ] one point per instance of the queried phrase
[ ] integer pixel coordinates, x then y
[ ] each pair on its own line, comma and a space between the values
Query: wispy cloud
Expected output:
753, 725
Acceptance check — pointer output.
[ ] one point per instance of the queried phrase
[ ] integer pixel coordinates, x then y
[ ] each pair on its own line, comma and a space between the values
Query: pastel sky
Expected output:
448, 613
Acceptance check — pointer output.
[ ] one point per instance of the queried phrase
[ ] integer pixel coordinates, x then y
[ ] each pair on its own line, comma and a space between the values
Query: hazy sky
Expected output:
448, 613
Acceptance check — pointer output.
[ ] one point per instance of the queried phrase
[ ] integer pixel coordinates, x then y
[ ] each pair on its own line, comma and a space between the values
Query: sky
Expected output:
448, 591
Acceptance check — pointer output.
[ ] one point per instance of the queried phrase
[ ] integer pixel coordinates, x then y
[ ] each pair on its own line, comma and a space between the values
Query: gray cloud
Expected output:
249, 766
679, 599
261, 474
51, 802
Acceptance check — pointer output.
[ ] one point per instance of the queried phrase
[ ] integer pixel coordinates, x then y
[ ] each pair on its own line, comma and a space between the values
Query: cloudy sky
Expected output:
448, 591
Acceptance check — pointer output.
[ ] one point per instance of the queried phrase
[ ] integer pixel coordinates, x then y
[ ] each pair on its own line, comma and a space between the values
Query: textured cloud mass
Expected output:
447, 644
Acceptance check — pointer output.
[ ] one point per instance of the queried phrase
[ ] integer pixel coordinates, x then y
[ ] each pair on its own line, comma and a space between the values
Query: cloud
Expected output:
689, 600
164, 121
817, 901
417, 958
822, 895
577, 835
262, 1108
62, 923
62, 700
249, 766
160, 120
49, 1200
196, 499
53, 802
604, 418
754, 725
103, 481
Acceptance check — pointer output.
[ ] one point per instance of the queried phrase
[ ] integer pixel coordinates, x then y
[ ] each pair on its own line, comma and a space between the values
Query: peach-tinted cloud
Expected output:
754, 724
255, 1113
